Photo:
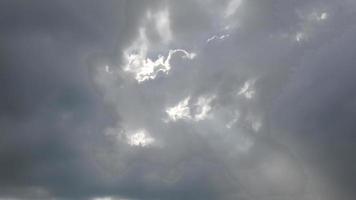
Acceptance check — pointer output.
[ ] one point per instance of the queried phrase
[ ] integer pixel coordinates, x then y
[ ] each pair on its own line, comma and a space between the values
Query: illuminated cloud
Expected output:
141, 66
247, 90
322, 16
211, 38
140, 138
219, 37
299, 36
179, 111
310, 22
136, 56
145, 69
187, 110
203, 107
230, 99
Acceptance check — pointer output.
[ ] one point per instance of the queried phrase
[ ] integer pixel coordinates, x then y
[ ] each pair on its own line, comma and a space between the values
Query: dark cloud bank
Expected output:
230, 100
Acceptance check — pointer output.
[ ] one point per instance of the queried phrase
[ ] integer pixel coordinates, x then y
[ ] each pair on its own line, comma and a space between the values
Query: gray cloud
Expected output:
261, 93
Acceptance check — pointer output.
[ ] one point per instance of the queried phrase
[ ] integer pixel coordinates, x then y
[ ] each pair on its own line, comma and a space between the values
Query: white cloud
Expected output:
133, 137
317, 16
140, 138
224, 36
179, 111
299, 36
203, 107
144, 68
212, 128
188, 111
137, 61
219, 37
211, 38
310, 22
323, 16
247, 90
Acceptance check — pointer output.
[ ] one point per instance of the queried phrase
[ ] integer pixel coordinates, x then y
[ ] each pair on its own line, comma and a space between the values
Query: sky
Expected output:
172, 100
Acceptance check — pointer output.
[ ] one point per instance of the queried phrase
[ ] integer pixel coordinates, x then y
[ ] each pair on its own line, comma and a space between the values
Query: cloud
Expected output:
177, 100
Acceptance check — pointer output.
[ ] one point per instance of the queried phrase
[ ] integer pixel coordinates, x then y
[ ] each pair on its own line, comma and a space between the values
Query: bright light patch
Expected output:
179, 111
247, 89
220, 37
146, 69
136, 57
299, 37
318, 16
224, 36
323, 16
140, 138
143, 67
309, 21
211, 38
184, 110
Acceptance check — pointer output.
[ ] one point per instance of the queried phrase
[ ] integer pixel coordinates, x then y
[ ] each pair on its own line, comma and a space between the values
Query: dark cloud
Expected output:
317, 107
177, 100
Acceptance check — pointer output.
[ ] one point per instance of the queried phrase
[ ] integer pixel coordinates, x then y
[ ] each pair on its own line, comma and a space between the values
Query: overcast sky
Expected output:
178, 100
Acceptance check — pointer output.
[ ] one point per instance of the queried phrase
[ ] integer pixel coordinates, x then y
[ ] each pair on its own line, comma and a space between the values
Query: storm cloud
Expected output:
160, 99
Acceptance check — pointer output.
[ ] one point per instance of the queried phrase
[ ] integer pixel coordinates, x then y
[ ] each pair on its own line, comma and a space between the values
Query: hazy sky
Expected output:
178, 100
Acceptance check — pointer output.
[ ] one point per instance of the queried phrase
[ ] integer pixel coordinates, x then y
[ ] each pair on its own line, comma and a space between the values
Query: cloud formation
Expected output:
232, 99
